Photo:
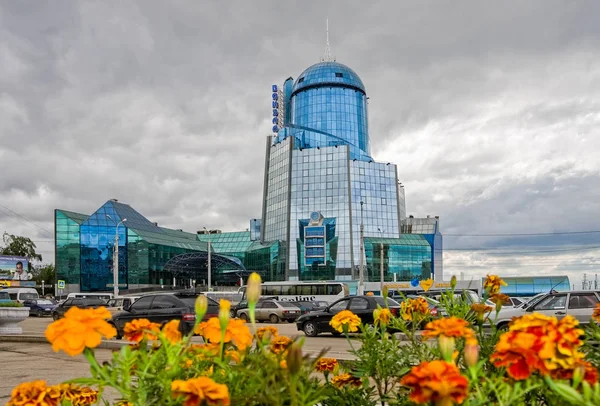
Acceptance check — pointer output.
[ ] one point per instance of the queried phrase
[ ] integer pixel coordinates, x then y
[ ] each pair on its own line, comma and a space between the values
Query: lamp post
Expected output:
209, 260
116, 258
381, 261
361, 269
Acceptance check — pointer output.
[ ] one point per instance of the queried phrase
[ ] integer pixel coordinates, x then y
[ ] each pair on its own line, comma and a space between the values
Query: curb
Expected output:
25, 338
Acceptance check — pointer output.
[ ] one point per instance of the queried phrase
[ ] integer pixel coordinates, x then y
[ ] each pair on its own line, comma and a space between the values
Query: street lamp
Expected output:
209, 258
116, 258
361, 269
381, 261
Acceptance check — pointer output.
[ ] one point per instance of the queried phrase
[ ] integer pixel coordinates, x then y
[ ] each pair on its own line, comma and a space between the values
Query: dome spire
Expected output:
328, 57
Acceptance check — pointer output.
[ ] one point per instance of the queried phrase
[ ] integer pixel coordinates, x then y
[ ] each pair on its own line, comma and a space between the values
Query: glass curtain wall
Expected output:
409, 257
67, 249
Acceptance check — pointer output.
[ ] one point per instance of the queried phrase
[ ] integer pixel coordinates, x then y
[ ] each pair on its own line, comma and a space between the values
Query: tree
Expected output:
46, 273
20, 247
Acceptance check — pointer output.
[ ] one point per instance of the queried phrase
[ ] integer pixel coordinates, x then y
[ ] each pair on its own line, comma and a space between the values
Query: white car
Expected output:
579, 304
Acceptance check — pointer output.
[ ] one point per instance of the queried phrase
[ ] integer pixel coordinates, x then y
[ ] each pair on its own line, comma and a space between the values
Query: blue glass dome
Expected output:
324, 73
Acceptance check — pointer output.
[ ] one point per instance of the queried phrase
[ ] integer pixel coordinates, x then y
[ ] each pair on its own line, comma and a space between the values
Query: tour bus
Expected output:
295, 291
104, 296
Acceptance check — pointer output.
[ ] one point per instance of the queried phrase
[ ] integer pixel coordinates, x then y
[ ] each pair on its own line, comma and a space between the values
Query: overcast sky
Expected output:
490, 110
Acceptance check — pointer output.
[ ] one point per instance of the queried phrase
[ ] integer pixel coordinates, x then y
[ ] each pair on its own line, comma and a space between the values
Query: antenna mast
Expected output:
327, 57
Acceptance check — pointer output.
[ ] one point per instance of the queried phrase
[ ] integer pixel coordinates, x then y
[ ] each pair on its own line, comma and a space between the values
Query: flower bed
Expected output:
539, 361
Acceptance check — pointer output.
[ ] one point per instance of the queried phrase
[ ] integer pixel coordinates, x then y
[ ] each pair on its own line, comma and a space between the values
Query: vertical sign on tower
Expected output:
278, 104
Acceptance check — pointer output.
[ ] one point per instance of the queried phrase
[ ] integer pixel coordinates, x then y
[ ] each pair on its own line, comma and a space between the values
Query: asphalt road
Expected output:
338, 347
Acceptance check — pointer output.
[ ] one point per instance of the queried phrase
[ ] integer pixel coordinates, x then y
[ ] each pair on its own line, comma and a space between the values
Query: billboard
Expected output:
8, 268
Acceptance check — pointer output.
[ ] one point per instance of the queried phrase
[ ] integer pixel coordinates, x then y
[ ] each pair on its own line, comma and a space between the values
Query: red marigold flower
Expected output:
436, 381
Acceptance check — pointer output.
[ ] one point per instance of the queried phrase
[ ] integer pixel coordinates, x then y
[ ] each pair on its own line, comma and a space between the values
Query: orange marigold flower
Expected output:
449, 327
171, 331
198, 391
539, 343
326, 365
234, 356
436, 381
590, 374
480, 309
280, 344
140, 329
236, 331
499, 299
77, 395
596, 314
34, 393
412, 309
492, 284
204, 351
80, 328
283, 364
268, 331
345, 321
382, 316
346, 380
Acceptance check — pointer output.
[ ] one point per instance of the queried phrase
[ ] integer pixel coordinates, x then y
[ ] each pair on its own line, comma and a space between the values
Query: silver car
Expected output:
579, 304
273, 311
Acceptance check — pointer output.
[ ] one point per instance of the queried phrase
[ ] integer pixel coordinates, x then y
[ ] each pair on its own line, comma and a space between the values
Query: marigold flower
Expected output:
280, 344
345, 321
382, 316
267, 332
539, 343
590, 374
283, 364
140, 329
80, 328
436, 381
346, 380
413, 309
34, 393
596, 314
234, 356
326, 365
492, 284
201, 306
77, 395
480, 309
253, 289
449, 327
123, 403
171, 331
197, 391
236, 331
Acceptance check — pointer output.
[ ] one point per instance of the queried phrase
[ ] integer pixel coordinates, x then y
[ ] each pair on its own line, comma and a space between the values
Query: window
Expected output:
339, 306
77, 302
269, 305
272, 290
339, 75
306, 289
359, 303
320, 290
334, 289
583, 301
300, 80
553, 302
164, 302
142, 303
67, 303
383, 201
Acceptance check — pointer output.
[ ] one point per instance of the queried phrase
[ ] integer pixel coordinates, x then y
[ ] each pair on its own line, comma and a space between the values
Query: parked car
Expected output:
4, 297
315, 323
273, 311
40, 307
83, 303
163, 307
579, 304
119, 303
307, 307
235, 309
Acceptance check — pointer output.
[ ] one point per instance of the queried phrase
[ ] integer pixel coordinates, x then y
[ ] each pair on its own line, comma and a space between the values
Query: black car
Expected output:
307, 307
40, 307
163, 307
81, 302
317, 322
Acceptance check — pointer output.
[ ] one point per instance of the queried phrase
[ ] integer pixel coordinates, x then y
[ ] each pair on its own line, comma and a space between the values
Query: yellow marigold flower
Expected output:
237, 331
80, 328
492, 284
346, 380
234, 356
280, 344
412, 309
596, 314
140, 329
123, 403
382, 316
204, 351
283, 364
480, 309
449, 327
267, 332
198, 391
326, 365
438, 382
33, 394
538, 343
345, 321
77, 395
171, 331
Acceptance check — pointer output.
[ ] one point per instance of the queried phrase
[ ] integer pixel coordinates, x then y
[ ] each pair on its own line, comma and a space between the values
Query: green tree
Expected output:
45, 273
19, 246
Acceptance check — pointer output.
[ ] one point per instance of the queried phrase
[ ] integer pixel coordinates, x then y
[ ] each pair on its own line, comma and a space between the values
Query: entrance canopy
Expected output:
225, 270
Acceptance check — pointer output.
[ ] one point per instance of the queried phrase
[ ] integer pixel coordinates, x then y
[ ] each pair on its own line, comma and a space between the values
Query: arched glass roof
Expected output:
328, 73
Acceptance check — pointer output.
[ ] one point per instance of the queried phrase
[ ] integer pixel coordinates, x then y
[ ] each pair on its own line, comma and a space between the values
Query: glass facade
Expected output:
531, 286
67, 250
409, 257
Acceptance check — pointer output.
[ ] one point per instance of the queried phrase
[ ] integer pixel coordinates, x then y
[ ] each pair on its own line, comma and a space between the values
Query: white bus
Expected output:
296, 291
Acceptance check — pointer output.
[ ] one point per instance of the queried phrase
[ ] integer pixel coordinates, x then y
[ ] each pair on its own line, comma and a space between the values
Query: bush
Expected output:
12, 303
539, 361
